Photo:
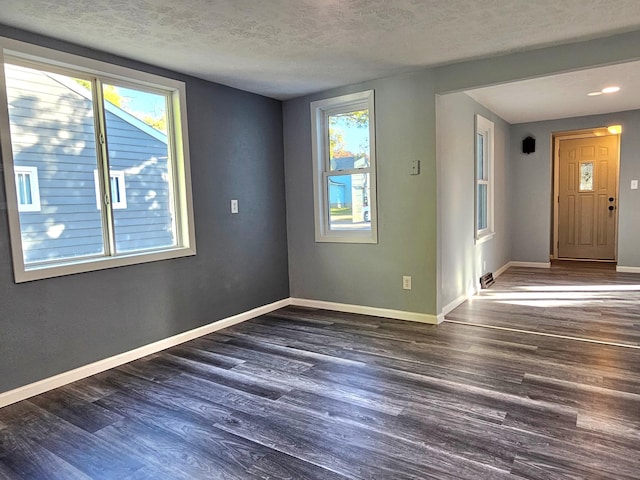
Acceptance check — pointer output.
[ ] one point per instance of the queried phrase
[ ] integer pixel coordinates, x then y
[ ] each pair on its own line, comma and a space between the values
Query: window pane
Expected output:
482, 206
52, 128
24, 189
480, 157
115, 190
349, 202
586, 176
349, 140
137, 144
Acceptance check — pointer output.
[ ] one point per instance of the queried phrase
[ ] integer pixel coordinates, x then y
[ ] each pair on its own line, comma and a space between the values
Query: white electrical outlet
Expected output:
634, 184
406, 282
234, 206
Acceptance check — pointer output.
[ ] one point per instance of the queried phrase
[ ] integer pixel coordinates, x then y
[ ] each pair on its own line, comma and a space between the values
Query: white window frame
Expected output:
484, 127
118, 175
32, 173
320, 111
178, 150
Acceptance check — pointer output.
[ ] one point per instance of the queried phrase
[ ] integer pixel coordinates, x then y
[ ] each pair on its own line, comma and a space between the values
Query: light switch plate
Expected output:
234, 206
634, 184
414, 167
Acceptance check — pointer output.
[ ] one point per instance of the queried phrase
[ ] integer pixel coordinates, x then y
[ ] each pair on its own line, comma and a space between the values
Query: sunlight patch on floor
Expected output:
555, 296
581, 288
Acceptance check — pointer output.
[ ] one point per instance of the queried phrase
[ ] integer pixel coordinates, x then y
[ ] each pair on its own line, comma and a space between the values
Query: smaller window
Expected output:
27, 189
344, 169
118, 190
484, 179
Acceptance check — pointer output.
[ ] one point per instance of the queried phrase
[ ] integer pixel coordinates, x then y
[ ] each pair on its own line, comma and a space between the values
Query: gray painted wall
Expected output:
54, 325
532, 180
463, 262
363, 274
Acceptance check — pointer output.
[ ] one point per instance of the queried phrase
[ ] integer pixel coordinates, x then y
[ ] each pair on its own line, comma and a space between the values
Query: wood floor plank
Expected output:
22, 457
165, 448
84, 451
278, 466
79, 412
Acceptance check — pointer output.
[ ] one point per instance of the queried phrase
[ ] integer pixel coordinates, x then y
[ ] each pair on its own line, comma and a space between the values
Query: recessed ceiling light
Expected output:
610, 89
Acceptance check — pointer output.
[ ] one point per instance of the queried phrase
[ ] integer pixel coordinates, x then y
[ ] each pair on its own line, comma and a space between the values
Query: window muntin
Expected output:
62, 118
483, 179
27, 188
344, 169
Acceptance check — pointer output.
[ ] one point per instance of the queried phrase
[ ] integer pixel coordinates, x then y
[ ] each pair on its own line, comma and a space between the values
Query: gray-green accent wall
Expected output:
365, 274
462, 260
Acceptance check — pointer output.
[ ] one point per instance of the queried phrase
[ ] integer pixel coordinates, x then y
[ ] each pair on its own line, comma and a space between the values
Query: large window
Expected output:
345, 168
484, 179
77, 129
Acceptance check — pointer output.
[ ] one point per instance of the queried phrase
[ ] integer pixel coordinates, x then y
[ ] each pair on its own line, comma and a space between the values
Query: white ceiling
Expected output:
286, 48
564, 95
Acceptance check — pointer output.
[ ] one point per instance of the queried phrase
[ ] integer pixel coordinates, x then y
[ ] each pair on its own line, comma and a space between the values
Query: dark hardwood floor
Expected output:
311, 394
575, 299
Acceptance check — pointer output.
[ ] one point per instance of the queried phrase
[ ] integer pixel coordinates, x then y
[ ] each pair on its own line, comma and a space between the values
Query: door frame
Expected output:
555, 199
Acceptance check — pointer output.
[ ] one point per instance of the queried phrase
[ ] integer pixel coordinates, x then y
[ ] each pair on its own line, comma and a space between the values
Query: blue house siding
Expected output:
147, 220
340, 191
59, 141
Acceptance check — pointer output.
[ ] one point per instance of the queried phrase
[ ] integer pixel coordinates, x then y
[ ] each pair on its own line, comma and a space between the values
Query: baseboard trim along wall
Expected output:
457, 302
530, 264
41, 386
364, 310
36, 388
623, 269
466, 296
502, 269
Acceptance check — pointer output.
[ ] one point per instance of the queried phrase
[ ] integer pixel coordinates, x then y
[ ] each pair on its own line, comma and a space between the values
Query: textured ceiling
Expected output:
286, 48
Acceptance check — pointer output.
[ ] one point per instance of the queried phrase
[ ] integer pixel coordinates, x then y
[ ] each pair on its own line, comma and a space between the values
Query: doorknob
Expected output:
611, 207
611, 199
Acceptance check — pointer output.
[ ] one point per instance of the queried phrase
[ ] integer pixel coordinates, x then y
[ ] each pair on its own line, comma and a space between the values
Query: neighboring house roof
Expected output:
119, 112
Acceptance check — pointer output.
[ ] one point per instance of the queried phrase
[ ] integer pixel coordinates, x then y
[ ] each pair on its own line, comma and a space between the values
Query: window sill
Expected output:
346, 239
484, 238
31, 273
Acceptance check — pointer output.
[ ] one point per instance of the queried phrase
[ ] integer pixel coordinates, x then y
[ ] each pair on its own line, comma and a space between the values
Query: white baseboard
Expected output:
41, 386
364, 310
530, 264
455, 303
502, 269
36, 388
623, 269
